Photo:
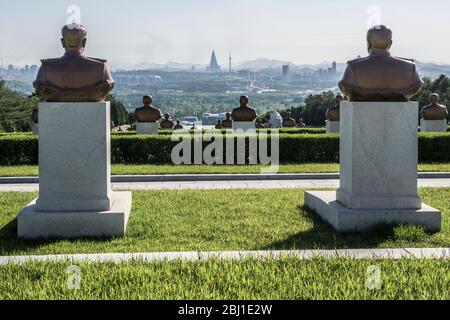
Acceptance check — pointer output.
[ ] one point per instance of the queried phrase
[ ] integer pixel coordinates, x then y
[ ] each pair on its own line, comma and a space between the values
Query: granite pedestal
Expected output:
379, 155
433, 125
75, 195
244, 127
147, 128
35, 129
333, 126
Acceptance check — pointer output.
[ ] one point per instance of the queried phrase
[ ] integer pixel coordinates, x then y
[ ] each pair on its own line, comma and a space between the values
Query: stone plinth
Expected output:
33, 224
75, 175
244, 127
333, 126
347, 220
35, 129
147, 128
378, 155
433, 125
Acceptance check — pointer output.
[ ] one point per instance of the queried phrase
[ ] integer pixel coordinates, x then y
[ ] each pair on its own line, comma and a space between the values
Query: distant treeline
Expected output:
15, 108
316, 105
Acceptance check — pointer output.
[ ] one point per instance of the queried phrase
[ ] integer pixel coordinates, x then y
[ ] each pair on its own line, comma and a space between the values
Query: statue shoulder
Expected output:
407, 60
103, 61
351, 62
47, 61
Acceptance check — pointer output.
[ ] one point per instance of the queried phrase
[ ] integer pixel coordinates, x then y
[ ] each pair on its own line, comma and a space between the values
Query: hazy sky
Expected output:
301, 31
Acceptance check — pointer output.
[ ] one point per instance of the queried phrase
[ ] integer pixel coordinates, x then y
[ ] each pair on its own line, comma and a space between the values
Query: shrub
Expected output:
128, 148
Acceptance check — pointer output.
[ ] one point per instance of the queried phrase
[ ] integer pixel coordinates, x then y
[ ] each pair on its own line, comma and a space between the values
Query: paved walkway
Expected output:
389, 254
214, 185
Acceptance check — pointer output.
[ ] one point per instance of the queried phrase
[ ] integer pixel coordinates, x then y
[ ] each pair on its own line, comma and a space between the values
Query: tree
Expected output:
119, 114
15, 108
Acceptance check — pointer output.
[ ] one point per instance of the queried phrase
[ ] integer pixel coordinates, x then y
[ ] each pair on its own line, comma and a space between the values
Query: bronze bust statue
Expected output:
380, 76
74, 77
178, 126
434, 111
244, 113
218, 126
288, 122
10, 128
260, 125
166, 123
334, 113
227, 123
301, 124
147, 113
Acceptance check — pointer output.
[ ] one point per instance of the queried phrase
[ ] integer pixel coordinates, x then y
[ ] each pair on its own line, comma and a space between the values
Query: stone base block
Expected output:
147, 128
244, 127
32, 224
35, 129
74, 156
433, 125
350, 220
333, 126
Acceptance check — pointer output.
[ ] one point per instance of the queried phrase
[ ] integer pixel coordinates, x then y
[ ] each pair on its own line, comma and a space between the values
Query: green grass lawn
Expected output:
15, 171
215, 220
285, 279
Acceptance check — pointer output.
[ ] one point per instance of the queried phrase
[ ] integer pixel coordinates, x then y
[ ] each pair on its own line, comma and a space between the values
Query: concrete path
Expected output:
216, 185
359, 254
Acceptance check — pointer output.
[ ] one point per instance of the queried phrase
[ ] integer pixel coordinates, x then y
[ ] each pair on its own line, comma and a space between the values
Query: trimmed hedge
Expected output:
19, 149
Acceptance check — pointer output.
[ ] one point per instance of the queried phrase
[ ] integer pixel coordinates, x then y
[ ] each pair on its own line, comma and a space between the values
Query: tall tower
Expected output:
213, 65
230, 70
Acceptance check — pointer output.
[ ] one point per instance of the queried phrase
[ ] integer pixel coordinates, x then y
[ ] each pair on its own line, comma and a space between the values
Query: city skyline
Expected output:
300, 32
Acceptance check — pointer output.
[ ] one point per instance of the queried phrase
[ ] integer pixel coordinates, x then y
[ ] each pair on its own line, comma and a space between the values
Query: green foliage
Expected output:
119, 114
286, 278
221, 220
15, 108
316, 107
21, 149
18, 149
314, 110
434, 146
409, 233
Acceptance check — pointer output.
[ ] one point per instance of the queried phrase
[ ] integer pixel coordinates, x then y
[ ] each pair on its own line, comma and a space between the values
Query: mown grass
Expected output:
285, 279
215, 220
21, 171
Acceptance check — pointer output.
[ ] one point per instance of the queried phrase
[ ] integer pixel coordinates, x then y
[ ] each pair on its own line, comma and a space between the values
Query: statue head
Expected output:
339, 99
244, 100
74, 37
167, 116
147, 100
379, 37
228, 115
301, 120
434, 98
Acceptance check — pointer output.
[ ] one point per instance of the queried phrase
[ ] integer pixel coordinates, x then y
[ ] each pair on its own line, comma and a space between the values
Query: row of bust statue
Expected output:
148, 113
432, 111
75, 77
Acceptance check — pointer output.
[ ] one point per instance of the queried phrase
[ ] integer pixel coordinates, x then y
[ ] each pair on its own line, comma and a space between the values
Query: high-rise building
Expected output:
213, 65
230, 70
285, 70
